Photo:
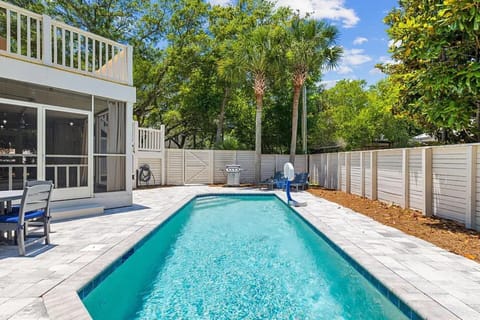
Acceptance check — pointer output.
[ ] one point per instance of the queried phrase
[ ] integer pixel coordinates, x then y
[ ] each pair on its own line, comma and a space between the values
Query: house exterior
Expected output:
66, 99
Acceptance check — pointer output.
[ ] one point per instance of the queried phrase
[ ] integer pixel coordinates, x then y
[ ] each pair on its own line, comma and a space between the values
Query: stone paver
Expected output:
436, 283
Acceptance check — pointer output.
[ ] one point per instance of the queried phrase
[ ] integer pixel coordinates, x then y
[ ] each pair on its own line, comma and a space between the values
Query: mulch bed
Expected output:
446, 234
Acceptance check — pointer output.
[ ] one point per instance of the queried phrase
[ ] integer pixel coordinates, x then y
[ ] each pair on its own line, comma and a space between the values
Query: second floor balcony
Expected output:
28, 36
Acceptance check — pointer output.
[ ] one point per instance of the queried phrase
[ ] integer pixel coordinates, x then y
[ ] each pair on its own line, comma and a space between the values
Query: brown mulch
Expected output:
446, 234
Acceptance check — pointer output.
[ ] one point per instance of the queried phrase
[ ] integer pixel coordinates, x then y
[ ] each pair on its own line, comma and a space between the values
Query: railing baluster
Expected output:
79, 51
9, 31
71, 49
29, 40
63, 47
19, 33
67, 176
78, 176
106, 60
86, 54
93, 55
37, 30
113, 66
99, 55
10, 176
55, 61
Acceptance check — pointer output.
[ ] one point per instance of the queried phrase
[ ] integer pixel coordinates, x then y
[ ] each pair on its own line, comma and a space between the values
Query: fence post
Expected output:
184, 165
373, 174
47, 40
211, 165
470, 213
427, 181
348, 157
362, 174
327, 175
405, 178
162, 145
339, 172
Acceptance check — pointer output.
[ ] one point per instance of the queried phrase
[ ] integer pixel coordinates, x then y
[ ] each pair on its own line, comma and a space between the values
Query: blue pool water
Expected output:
235, 257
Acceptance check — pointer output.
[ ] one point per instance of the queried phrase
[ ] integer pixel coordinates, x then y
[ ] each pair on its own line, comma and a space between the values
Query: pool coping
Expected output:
62, 301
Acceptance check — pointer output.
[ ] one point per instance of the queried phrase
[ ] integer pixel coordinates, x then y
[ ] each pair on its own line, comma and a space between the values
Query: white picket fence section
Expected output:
443, 181
41, 39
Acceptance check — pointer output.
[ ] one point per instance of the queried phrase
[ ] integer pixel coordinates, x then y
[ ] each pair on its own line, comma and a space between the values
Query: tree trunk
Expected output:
293, 144
258, 138
221, 117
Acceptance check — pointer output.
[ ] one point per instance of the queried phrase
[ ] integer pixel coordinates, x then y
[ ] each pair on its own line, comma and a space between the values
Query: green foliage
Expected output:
355, 117
438, 49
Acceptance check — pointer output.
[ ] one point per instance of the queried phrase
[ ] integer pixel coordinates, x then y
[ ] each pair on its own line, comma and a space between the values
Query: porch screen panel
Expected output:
66, 144
110, 135
18, 146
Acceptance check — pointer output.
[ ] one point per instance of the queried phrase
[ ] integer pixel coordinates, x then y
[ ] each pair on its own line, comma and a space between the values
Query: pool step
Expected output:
213, 201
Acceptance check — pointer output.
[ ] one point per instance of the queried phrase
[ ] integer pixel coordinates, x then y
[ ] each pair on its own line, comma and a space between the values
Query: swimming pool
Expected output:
232, 257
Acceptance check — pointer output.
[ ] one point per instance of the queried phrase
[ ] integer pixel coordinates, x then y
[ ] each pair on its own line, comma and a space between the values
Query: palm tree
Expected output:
256, 52
311, 47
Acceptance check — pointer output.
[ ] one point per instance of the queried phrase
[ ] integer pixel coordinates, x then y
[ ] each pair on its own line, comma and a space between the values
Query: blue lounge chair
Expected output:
300, 181
277, 181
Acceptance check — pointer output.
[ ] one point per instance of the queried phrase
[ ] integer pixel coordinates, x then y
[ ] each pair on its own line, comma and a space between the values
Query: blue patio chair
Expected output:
300, 181
34, 206
277, 181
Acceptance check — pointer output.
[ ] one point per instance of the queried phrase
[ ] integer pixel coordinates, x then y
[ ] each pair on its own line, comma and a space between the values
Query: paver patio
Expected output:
436, 283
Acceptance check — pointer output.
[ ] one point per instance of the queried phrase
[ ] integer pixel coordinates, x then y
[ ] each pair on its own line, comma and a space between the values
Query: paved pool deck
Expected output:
436, 283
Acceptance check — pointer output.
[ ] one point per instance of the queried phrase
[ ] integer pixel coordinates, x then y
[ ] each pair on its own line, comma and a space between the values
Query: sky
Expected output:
362, 34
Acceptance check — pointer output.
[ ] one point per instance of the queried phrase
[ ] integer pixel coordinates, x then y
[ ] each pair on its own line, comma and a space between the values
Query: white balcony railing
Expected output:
148, 139
38, 38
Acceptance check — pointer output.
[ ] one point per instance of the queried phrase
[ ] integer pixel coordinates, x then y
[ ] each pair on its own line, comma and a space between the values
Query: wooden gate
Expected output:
198, 166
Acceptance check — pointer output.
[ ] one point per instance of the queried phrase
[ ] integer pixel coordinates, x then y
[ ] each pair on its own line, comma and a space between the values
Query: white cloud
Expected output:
359, 40
323, 9
344, 69
327, 84
355, 57
375, 71
220, 2
387, 60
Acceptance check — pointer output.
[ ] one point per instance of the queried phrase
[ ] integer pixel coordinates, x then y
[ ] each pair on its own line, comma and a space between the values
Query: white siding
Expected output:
477, 188
449, 182
368, 175
175, 166
315, 168
389, 176
156, 169
268, 166
343, 172
246, 159
332, 169
355, 173
415, 179
280, 161
221, 159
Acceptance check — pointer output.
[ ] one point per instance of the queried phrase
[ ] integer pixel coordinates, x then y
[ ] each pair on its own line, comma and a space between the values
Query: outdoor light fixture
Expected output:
71, 123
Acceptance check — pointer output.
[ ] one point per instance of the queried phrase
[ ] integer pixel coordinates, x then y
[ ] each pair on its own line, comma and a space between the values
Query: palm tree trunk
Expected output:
221, 117
258, 138
293, 144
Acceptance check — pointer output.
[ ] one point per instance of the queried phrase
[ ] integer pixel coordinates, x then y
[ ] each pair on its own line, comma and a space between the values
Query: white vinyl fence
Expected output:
185, 166
443, 181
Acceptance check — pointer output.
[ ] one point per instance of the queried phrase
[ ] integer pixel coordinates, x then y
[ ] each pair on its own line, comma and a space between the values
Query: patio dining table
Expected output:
6, 197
